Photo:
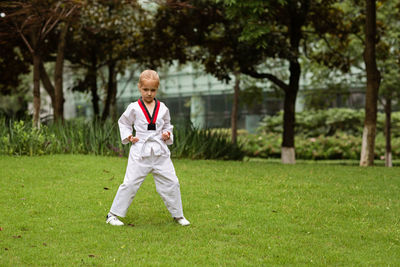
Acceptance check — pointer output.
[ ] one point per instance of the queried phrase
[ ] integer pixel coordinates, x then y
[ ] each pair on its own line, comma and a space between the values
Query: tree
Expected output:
33, 21
389, 88
373, 80
285, 29
83, 52
388, 55
108, 36
201, 31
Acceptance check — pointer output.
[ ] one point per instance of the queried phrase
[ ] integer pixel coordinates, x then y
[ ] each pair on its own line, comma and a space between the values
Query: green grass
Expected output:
52, 213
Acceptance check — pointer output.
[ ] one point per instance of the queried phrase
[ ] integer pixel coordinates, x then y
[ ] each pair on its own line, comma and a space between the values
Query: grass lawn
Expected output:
53, 208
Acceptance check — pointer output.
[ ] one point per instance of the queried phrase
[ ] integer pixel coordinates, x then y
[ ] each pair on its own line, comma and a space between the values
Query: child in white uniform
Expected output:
149, 152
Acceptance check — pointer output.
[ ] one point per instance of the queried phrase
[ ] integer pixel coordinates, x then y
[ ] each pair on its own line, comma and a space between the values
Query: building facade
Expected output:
201, 99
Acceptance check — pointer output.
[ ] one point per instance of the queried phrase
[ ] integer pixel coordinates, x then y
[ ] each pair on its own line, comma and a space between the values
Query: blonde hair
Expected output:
148, 75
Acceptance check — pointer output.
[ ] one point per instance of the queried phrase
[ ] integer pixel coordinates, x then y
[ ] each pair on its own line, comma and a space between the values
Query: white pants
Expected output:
167, 184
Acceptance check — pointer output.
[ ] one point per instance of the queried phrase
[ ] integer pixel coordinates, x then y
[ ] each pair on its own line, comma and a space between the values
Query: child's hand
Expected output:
165, 136
133, 139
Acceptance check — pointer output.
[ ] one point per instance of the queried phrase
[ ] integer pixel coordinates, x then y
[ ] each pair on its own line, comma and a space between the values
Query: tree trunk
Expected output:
48, 86
288, 155
36, 90
58, 76
110, 89
388, 127
95, 97
297, 19
373, 80
113, 104
92, 73
56, 92
235, 107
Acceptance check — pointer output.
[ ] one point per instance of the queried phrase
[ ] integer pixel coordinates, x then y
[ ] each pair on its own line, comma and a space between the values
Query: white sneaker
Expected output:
113, 220
182, 221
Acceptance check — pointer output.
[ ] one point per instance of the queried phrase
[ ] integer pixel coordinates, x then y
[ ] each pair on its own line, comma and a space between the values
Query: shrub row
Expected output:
328, 122
80, 137
341, 145
77, 137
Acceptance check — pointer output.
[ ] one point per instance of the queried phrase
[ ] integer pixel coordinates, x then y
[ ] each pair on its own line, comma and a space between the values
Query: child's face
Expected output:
148, 90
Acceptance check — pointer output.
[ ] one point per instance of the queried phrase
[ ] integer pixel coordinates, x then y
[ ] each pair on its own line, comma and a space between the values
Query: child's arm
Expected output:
168, 129
125, 124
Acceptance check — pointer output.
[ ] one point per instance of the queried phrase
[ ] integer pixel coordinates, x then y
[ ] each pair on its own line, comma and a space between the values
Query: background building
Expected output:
192, 95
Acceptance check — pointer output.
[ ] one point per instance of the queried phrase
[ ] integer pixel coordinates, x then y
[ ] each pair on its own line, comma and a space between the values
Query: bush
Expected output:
328, 122
22, 139
265, 145
338, 146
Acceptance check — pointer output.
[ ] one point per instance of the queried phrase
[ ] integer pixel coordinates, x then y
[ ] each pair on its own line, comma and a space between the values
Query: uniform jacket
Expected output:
149, 140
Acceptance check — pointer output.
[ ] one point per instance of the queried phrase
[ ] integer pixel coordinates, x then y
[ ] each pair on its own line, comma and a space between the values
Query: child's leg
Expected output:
167, 185
136, 172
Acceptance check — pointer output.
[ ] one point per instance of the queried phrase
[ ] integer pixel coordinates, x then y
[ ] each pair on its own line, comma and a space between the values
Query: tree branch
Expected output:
360, 38
330, 47
48, 86
47, 23
51, 27
271, 77
70, 12
24, 39
64, 13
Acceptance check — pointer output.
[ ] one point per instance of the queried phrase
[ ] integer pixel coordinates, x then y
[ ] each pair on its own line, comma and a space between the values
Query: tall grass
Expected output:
91, 137
103, 138
77, 137
205, 144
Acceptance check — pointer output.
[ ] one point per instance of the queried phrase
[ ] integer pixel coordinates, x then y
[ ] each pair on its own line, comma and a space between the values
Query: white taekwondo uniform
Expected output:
149, 155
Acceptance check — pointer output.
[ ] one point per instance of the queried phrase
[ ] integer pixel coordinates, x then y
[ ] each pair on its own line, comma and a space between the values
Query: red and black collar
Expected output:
150, 119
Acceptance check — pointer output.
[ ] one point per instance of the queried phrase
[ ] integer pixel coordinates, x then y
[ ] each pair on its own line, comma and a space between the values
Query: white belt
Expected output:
150, 137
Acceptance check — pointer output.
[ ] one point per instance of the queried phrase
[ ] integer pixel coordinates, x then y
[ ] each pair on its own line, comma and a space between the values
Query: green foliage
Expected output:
324, 134
23, 139
388, 50
319, 99
328, 122
20, 138
266, 145
204, 144
117, 24
338, 146
92, 137
102, 138
251, 96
